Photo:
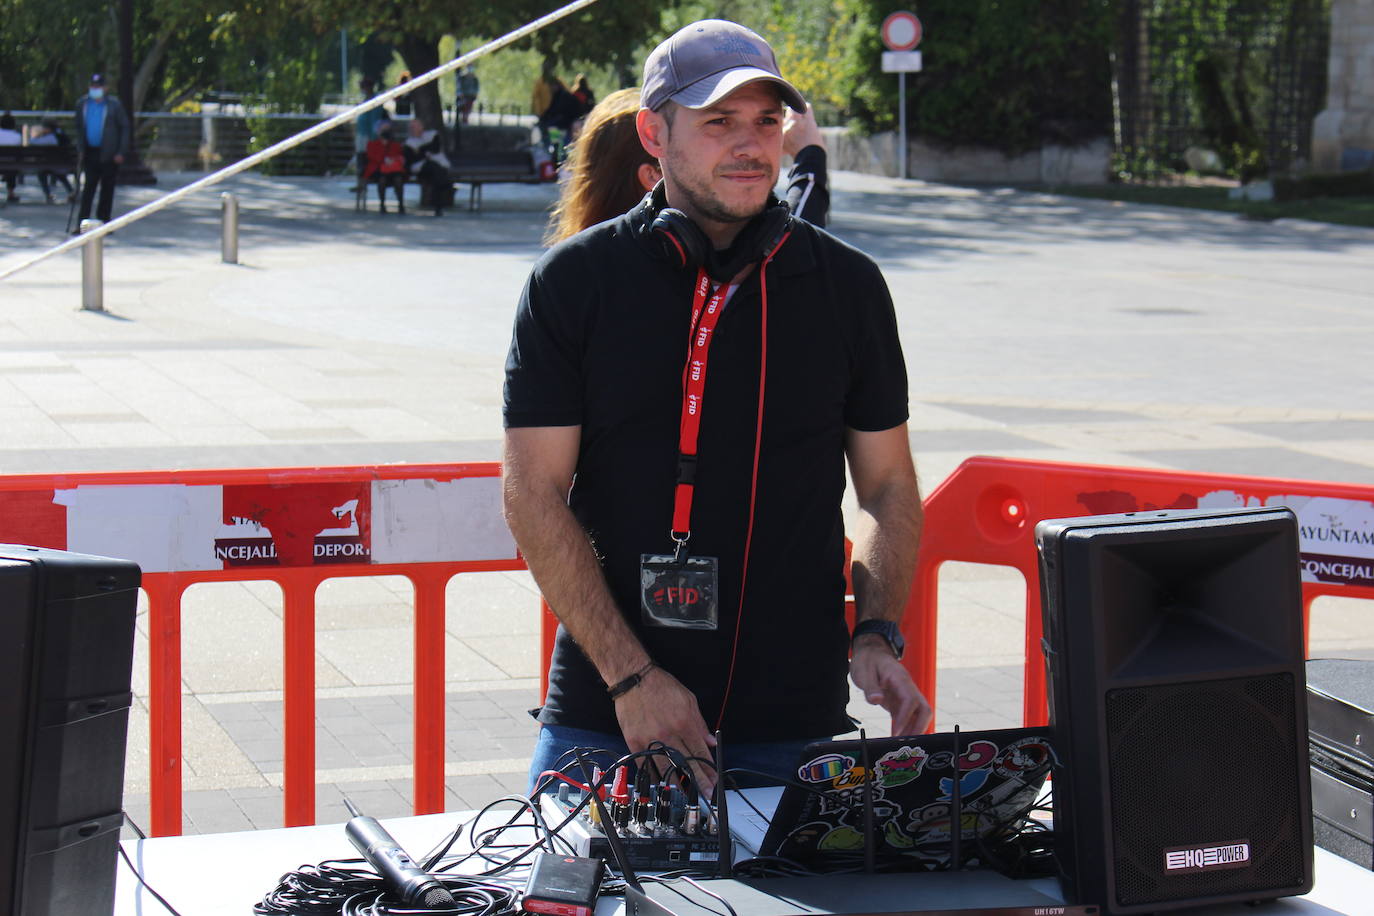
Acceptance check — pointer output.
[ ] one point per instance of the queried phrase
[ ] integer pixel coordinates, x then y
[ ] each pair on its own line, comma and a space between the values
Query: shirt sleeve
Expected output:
808, 189
544, 385
878, 383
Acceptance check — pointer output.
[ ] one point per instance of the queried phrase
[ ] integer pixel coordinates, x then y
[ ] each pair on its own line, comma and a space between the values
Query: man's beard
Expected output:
704, 202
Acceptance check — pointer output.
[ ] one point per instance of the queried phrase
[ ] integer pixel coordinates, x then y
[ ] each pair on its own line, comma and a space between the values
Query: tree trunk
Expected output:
421, 56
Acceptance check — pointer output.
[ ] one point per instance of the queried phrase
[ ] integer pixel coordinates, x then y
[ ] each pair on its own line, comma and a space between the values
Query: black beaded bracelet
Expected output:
620, 688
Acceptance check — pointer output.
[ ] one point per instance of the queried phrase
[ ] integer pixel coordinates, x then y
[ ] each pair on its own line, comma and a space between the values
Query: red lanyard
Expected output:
705, 314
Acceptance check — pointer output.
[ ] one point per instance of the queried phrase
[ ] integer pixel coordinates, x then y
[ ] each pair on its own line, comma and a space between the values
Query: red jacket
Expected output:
385, 156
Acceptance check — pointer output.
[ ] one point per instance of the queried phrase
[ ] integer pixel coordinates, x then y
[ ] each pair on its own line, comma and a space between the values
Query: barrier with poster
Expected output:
986, 512
296, 527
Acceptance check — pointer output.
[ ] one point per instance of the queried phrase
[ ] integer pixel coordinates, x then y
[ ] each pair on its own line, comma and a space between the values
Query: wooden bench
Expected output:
474, 169
30, 160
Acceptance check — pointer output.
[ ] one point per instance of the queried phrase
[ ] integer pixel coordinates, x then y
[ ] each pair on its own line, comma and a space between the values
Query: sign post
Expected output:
901, 34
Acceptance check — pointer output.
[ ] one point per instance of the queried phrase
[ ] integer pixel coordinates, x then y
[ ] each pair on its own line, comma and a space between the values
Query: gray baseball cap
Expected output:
702, 63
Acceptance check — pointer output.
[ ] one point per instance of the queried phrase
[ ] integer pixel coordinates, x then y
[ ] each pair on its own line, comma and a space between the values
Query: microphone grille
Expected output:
436, 897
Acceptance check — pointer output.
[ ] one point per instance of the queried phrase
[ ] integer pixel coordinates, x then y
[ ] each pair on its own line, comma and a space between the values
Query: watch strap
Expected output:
888, 630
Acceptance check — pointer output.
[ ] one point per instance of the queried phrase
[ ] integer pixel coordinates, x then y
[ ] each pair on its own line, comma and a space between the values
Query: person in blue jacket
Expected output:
102, 132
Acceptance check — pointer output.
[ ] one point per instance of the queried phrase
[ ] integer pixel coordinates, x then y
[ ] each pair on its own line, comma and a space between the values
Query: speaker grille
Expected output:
1200, 764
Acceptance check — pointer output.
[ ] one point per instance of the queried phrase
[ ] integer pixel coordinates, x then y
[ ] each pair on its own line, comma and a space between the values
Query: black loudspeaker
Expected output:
1174, 646
66, 655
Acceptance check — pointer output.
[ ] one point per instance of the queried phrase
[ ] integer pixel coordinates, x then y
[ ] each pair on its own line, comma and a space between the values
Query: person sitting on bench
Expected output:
426, 160
386, 160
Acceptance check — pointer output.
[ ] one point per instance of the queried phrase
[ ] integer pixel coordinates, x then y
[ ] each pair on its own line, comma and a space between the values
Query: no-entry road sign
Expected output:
901, 31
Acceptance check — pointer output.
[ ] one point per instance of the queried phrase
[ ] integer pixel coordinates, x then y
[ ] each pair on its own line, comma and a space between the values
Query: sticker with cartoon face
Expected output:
809, 836
841, 839
899, 767
1025, 756
826, 768
929, 824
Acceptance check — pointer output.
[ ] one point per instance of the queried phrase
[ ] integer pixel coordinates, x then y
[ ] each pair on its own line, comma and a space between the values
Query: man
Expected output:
365, 124
680, 509
10, 136
102, 129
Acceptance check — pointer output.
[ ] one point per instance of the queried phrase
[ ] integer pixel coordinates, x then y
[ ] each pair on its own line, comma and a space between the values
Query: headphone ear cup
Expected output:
683, 243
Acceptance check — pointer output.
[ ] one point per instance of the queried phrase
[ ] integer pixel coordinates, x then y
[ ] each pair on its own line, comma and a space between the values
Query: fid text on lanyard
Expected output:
707, 307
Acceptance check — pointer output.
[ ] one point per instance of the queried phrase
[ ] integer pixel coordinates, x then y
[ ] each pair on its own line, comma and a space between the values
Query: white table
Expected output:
247, 865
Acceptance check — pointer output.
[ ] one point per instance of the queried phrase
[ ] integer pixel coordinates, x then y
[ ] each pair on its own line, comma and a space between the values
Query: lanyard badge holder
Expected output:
680, 590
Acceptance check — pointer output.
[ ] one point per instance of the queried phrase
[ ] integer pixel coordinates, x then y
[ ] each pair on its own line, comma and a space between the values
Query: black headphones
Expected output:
681, 242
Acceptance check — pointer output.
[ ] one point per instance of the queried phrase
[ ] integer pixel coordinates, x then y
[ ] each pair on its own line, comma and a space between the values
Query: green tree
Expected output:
1009, 74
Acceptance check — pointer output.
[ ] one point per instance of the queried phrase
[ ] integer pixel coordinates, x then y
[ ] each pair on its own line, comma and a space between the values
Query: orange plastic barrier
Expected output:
296, 527
986, 512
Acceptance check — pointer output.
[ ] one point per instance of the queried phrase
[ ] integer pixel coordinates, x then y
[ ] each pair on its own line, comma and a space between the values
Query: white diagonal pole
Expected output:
343, 117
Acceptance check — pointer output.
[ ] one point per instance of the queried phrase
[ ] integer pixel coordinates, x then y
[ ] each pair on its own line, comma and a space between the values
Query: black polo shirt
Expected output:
600, 340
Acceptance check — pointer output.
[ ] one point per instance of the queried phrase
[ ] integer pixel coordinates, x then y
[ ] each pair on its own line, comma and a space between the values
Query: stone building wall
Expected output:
1343, 134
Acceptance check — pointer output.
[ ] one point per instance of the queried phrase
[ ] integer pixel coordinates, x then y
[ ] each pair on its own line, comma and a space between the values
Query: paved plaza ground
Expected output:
1035, 326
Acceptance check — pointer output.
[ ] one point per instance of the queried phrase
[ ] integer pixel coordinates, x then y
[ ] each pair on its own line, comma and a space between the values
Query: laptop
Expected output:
821, 822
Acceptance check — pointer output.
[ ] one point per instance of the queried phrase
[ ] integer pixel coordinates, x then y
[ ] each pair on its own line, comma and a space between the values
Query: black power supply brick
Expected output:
563, 885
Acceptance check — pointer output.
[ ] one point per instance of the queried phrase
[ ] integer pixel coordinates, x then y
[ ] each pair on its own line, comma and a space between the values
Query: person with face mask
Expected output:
102, 130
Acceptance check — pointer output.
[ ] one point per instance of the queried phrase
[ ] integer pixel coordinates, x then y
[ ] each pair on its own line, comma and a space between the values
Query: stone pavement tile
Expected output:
463, 664
491, 605
1263, 462
376, 799
371, 655
479, 790
470, 744
1338, 625
517, 702
210, 755
1147, 436
977, 441
1037, 416
474, 707
382, 713
1312, 430
347, 728
518, 746
515, 656
212, 806
507, 728
264, 812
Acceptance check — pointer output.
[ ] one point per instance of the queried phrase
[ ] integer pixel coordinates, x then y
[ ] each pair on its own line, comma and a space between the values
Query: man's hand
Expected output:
886, 683
119, 158
800, 131
661, 709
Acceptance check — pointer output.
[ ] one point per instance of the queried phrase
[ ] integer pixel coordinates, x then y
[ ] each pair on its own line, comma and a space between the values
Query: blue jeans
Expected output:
776, 760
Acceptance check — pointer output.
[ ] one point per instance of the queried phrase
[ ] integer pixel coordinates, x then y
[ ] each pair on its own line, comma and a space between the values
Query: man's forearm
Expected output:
565, 567
885, 548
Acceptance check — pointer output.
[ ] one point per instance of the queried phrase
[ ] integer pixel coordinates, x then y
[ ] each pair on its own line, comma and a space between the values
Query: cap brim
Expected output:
711, 89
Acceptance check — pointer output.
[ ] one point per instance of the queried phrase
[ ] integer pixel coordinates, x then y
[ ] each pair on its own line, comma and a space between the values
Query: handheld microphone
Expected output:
411, 884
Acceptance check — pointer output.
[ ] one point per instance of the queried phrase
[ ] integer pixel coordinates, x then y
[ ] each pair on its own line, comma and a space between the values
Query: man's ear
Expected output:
653, 132
648, 175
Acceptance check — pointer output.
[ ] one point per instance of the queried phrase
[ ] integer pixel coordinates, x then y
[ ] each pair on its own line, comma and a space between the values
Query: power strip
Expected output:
645, 853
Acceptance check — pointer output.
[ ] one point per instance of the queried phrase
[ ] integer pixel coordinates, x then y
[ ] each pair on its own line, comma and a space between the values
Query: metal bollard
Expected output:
229, 230
93, 269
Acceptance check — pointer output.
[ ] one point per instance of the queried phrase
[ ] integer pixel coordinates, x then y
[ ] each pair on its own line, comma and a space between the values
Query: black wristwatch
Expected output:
884, 628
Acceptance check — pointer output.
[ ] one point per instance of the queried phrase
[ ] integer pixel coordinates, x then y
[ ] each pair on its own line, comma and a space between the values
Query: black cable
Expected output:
133, 824
668, 883
146, 886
